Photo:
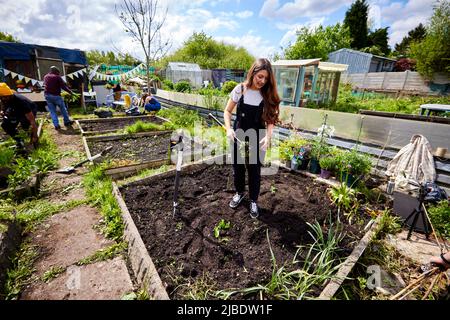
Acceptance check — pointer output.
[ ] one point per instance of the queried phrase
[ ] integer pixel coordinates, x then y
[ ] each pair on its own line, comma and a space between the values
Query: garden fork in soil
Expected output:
180, 146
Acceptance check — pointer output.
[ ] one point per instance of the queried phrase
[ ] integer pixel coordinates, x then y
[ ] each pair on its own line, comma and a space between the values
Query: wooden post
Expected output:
406, 80
83, 104
384, 80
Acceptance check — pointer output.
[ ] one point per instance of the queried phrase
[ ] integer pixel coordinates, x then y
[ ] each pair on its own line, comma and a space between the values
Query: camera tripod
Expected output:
418, 211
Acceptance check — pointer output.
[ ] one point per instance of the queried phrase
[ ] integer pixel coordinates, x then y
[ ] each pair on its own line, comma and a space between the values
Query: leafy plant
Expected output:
328, 163
229, 86
221, 226
168, 85
320, 264
440, 218
357, 163
6, 156
273, 189
319, 148
345, 199
100, 193
183, 86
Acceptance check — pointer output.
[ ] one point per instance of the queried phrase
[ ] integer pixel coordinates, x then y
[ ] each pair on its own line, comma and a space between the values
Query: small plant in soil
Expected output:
273, 189
220, 229
345, 199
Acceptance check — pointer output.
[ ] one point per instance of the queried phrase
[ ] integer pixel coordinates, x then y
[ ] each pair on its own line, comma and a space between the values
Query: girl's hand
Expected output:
264, 143
231, 134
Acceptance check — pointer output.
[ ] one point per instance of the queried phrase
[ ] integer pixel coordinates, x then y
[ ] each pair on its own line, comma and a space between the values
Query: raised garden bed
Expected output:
185, 250
131, 153
100, 126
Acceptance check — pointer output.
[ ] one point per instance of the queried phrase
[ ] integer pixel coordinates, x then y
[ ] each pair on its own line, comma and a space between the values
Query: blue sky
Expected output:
261, 26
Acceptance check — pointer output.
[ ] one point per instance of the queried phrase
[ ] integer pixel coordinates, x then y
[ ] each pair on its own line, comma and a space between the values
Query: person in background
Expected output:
117, 92
151, 104
53, 84
15, 109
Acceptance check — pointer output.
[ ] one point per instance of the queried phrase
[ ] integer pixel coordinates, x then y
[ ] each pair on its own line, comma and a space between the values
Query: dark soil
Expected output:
186, 248
115, 124
140, 149
4, 173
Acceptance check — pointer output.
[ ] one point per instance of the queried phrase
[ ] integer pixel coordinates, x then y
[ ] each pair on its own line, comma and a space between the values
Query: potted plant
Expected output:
286, 153
319, 148
304, 155
104, 112
327, 165
354, 167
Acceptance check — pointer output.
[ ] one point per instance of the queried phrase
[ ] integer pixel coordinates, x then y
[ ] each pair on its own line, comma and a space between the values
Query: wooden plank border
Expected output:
141, 262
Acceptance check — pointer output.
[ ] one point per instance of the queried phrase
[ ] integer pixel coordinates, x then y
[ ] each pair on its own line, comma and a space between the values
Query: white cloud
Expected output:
301, 8
403, 17
256, 45
244, 14
291, 35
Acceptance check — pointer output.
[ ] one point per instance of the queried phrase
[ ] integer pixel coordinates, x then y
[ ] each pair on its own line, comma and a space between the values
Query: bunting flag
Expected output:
14, 75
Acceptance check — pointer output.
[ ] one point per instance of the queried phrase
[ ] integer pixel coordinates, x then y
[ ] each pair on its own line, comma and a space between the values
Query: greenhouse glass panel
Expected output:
287, 84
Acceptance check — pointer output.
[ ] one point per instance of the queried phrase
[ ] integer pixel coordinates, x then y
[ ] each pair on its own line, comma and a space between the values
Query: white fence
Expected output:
392, 81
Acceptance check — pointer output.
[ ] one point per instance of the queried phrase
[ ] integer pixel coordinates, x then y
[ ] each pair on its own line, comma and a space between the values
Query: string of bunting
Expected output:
15, 75
123, 76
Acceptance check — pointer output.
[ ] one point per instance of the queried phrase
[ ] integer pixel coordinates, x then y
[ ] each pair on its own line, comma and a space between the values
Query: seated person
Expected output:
15, 109
150, 103
117, 92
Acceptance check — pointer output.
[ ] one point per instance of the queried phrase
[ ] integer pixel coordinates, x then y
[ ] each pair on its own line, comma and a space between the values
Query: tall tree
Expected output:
95, 57
417, 34
210, 54
356, 20
433, 52
318, 42
4, 36
144, 20
380, 38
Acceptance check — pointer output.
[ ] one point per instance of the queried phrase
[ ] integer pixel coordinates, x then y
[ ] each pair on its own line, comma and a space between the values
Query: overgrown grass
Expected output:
20, 274
52, 273
145, 174
352, 103
32, 212
100, 193
181, 118
304, 276
104, 254
6, 156
140, 126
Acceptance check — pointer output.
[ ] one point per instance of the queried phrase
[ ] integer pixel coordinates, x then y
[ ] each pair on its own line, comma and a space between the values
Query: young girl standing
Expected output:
257, 103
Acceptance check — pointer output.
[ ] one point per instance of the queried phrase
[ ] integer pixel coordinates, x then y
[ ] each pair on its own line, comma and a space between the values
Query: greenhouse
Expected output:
310, 80
181, 71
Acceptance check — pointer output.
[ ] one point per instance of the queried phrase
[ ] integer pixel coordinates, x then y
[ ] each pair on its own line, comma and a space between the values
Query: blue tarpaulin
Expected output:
22, 51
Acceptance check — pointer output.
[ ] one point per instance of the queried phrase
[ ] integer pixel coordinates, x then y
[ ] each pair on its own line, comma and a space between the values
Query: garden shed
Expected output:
309, 80
33, 61
362, 62
181, 71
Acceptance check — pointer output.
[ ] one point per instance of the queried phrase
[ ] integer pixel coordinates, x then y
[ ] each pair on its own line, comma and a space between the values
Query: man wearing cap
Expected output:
53, 85
15, 109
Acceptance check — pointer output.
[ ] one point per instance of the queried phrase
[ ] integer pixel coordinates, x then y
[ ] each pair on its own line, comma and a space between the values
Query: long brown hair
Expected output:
268, 91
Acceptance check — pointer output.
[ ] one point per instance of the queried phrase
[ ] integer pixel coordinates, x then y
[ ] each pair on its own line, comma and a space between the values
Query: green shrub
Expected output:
327, 163
183, 86
168, 85
355, 163
6, 156
229, 86
440, 218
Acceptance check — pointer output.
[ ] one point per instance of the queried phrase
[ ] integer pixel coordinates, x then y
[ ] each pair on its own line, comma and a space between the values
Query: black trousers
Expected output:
10, 126
247, 160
